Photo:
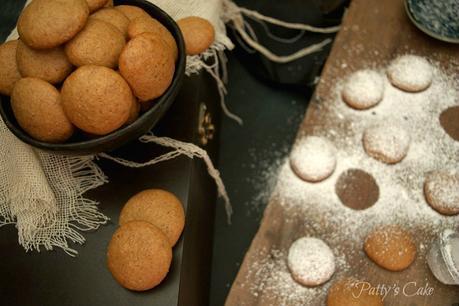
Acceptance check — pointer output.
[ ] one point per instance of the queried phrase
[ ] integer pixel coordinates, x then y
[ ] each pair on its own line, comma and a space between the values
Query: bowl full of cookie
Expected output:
85, 77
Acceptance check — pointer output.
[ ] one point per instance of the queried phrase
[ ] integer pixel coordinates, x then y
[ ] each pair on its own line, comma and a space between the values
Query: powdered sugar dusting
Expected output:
443, 188
317, 207
311, 261
388, 142
363, 89
313, 158
410, 72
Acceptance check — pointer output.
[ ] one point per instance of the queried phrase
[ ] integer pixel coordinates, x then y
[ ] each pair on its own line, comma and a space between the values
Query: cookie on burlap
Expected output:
132, 12
37, 106
114, 17
148, 66
150, 25
9, 71
45, 24
313, 158
410, 73
198, 34
96, 99
388, 142
363, 89
351, 292
99, 43
391, 247
441, 189
94, 5
310, 261
51, 65
139, 256
159, 207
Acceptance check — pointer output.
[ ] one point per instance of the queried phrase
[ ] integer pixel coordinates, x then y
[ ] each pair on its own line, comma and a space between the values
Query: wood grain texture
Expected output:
372, 31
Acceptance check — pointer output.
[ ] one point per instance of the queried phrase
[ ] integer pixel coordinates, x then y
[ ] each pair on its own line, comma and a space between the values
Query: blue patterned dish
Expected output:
437, 18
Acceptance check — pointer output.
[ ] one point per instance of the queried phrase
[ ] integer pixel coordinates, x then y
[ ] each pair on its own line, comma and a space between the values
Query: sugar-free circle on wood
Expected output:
357, 189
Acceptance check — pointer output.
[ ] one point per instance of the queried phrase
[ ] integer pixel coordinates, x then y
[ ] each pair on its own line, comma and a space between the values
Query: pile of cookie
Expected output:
89, 66
140, 252
313, 159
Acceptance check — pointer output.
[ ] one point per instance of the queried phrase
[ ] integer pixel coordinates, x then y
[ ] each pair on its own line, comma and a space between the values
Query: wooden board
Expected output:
373, 29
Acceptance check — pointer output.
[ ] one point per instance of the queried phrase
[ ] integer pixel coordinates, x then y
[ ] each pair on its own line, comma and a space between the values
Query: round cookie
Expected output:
96, 99
391, 247
132, 12
310, 261
150, 25
198, 34
9, 71
45, 24
441, 189
37, 107
94, 5
159, 207
99, 43
114, 17
313, 158
363, 89
50, 65
349, 292
148, 66
139, 256
387, 142
410, 73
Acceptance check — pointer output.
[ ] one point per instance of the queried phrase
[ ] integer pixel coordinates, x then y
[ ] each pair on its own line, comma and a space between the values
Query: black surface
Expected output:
78, 145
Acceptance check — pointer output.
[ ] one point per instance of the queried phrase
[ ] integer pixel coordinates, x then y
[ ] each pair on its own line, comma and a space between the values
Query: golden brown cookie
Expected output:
9, 72
139, 255
94, 5
99, 43
114, 17
109, 3
51, 65
351, 292
96, 99
159, 207
148, 66
46, 24
37, 106
441, 189
391, 247
134, 112
132, 12
198, 34
149, 25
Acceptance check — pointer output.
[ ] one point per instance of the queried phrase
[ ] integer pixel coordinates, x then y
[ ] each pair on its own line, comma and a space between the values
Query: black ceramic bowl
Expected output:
77, 145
